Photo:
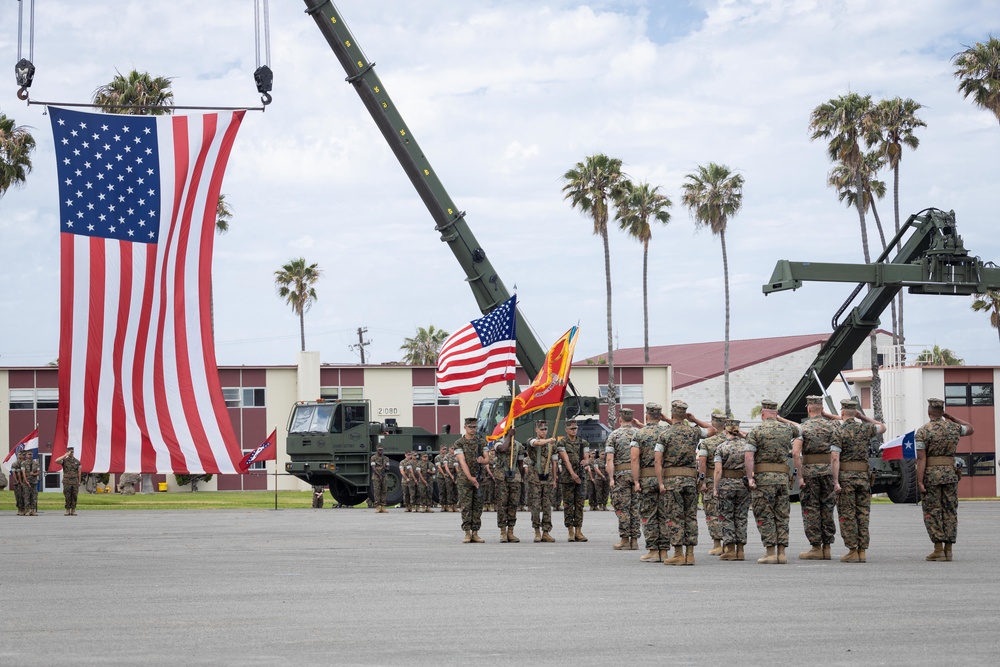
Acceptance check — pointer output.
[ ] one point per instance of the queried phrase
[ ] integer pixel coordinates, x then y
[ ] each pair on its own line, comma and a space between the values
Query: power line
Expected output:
361, 343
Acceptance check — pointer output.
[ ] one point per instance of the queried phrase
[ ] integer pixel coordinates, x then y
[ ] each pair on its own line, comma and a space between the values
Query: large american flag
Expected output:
480, 353
138, 382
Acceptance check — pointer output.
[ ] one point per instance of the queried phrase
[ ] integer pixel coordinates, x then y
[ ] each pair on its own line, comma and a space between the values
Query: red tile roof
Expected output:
694, 362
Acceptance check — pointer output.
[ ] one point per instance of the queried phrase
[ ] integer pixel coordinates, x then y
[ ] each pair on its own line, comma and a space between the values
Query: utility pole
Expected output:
361, 343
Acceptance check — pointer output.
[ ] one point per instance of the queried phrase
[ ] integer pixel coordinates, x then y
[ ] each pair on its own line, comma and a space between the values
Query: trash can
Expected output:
162, 486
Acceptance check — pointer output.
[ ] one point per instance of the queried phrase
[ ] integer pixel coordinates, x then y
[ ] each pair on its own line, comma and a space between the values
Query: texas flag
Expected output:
29, 442
267, 451
903, 447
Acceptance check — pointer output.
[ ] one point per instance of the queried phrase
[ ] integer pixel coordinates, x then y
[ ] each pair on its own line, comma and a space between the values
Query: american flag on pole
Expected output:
480, 353
138, 382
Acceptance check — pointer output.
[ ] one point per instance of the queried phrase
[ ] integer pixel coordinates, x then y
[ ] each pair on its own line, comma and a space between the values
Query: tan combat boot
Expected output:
677, 558
621, 544
770, 558
739, 552
511, 537
580, 537
503, 534
664, 554
814, 553
862, 556
572, 534
547, 538
633, 544
475, 537
73, 511
689, 554
938, 553
782, 559
538, 534
66, 513
947, 551
728, 552
826, 552
652, 557
717, 549
468, 535
850, 557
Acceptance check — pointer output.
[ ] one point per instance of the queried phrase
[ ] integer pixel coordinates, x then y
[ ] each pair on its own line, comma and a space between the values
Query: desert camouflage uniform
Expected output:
409, 486
771, 442
426, 492
624, 500
33, 472
855, 500
15, 483
507, 484
487, 486
468, 499
713, 518
71, 481
679, 445
652, 503
734, 497
817, 498
539, 475
939, 437
453, 481
379, 464
573, 494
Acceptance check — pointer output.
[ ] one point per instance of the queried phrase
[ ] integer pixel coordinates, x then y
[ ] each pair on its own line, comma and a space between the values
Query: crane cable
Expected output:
262, 76
24, 71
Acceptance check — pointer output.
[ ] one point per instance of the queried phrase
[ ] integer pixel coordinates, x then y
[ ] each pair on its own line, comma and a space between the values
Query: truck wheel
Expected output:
906, 490
344, 495
393, 485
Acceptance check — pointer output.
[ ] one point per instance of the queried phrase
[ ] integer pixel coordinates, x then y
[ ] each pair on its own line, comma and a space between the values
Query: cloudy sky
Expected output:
504, 97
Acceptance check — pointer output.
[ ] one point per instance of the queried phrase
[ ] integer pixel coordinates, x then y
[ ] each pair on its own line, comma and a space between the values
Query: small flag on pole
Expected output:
267, 451
28, 442
903, 447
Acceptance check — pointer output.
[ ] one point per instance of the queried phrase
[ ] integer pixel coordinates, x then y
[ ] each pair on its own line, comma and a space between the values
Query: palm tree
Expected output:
939, 356
842, 122
978, 71
989, 302
16, 146
637, 205
590, 186
295, 283
422, 349
714, 194
124, 93
892, 126
223, 214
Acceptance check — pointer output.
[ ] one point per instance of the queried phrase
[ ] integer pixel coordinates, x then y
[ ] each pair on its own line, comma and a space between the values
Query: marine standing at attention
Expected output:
706, 472
732, 495
541, 480
574, 452
766, 463
618, 467
470, 450
851, 478
507, 459
652, 508
936, 442
811, 457
379, 464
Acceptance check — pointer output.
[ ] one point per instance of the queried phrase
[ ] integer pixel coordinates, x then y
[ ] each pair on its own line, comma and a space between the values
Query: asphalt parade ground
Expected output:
348, 586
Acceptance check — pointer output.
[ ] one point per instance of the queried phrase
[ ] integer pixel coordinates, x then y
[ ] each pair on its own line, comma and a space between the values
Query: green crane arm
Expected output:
486, 285
933, 260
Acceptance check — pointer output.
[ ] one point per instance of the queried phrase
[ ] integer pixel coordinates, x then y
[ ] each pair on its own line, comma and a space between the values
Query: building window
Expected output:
47, 399
352, 393
22, 399
231, 395
253, 397
430, 396
256, 465
627, 393
976, 394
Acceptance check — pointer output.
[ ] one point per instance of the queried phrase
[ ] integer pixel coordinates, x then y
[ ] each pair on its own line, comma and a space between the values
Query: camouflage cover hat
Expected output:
678, 406
570, 422
849, 404
814, 400
471, 421
541, 422
935, 403
732, 424
768, 404
654, 408
626, 413
719, 417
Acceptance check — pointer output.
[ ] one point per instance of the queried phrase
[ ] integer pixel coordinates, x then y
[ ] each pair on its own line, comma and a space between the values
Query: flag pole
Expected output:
276, 468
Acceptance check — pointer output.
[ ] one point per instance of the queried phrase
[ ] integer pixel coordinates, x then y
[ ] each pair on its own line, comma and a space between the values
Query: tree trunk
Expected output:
725, 354
899, 311
881, 235
612, 394
302, 328
645, 301
876, 381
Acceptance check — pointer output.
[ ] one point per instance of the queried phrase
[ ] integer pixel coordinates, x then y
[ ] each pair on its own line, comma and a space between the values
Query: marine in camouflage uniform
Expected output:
936, 442
706, 469
766, 462
506, 463
601, 488
487, 488
652, 503
811, 456
849, 460
405, 470
379, 465
574, 452
17, 482
470, 451
453, 479
318, 498
730, 491
618, 468
31, 470
425, 478
127, 482
71, 480
677, 473
541, 480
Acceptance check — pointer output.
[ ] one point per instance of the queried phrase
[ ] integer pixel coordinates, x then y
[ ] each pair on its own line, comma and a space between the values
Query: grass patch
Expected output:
201, 500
